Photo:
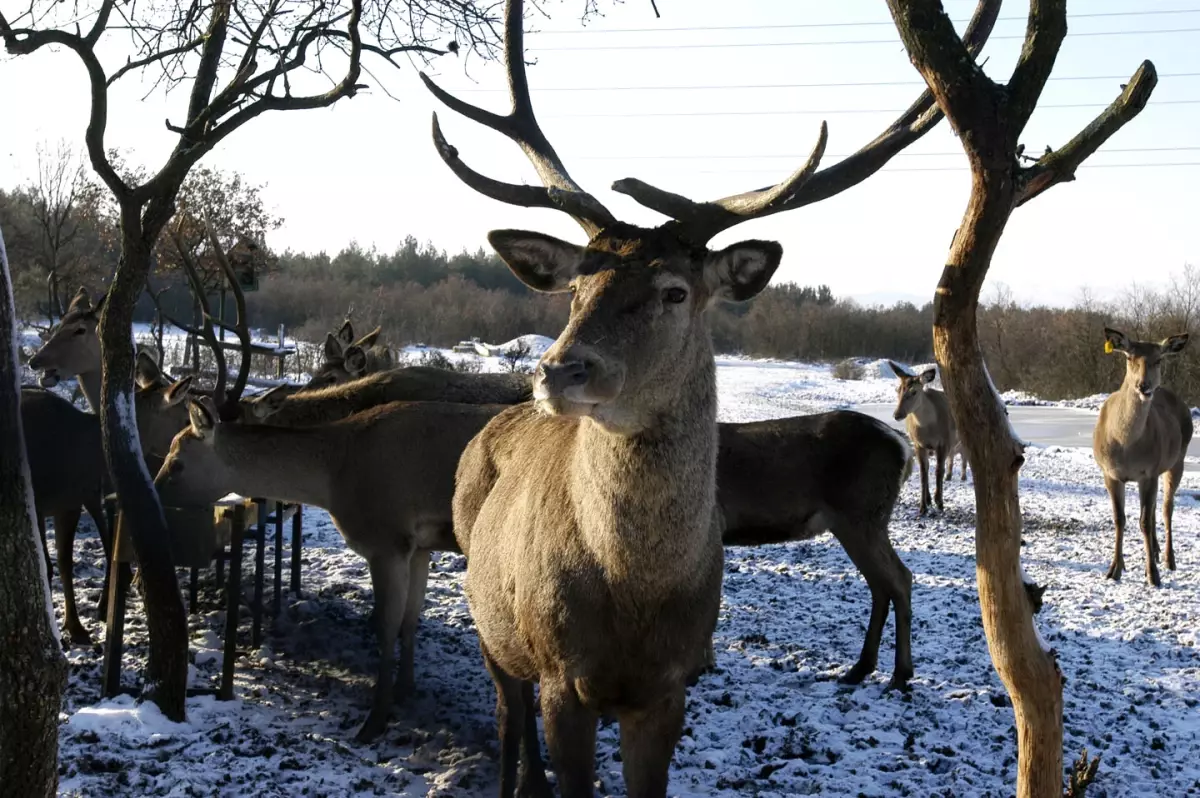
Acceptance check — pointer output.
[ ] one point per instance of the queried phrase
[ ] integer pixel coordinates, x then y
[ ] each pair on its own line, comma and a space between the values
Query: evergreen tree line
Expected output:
422, 294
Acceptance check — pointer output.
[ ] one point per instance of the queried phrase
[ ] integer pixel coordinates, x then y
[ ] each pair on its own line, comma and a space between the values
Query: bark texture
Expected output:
989, 118
165, 680
33, 670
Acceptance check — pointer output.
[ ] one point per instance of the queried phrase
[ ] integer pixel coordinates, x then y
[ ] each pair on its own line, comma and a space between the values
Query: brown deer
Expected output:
68, 474
795, 478
1143, 431
385, 475
589, 519
348, 359
930, 424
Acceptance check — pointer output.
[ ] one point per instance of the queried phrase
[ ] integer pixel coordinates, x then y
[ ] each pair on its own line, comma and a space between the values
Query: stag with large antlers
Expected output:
589, 519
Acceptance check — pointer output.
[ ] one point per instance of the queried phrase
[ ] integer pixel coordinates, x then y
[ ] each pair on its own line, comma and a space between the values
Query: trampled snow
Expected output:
771, 721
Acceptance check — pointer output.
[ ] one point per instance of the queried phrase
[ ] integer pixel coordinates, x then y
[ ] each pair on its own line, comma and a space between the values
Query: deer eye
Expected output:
79, 331
674, 295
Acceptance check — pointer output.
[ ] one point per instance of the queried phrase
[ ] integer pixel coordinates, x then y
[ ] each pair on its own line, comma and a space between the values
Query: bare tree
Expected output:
33, 670
988, 118
235, 62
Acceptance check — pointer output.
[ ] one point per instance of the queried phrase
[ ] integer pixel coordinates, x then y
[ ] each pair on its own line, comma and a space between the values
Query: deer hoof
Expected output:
534, 784
1153, 578
79, 636
1171, 562
374, 726
899, 683
856, 674
1114, 571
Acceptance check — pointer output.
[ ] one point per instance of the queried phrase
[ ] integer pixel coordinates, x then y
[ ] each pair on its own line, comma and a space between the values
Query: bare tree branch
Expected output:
1044, 34
1059, 166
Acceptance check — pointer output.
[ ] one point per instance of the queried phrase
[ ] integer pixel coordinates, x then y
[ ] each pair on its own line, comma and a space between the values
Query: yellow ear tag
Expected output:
1107, 347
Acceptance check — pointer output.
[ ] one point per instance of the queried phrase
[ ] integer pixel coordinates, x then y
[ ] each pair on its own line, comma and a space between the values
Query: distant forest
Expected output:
420, 293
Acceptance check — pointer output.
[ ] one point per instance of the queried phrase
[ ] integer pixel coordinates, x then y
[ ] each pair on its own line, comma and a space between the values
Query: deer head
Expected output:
911, 389
1143, 359
637, 323
194, 452
347, 360
73, 345
639, 294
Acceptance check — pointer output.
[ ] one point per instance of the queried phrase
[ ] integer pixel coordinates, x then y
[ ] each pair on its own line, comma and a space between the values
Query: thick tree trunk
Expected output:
165, 680
1029, 672
33, 670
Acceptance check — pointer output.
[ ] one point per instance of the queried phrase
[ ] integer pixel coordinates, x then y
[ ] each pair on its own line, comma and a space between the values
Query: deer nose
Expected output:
557, 377
1145, 389
898, 416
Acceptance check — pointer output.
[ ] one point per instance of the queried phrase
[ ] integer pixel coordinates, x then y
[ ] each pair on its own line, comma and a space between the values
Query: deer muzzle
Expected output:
575, 380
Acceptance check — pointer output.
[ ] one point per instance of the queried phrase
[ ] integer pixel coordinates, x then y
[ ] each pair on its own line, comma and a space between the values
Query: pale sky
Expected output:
366, 169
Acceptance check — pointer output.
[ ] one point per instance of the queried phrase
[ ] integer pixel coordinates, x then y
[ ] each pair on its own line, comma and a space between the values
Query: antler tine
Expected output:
228, 408
700, 222
559, 191
207, 333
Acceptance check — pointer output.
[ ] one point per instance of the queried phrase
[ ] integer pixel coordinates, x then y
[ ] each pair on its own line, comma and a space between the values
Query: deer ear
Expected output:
201, 419
898, 370
100, 303
81, 301
345, 334
741, 270
1175, 344
1115, 340
333, 346
354, 360
269, 402
145, 370
928, 375
542, 262
177, 392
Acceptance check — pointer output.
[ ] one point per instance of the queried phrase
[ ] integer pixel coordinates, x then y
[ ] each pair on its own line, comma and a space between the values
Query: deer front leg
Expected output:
389, 581
941, 476
1148, 495
1172, 485
1116, 494
571, 738
418, 576
648, 738
923, 461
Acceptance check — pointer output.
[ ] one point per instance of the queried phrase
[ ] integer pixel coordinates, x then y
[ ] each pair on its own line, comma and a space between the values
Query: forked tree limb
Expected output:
1059, 166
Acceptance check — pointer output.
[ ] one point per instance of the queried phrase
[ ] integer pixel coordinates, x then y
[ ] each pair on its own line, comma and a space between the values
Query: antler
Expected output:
559, 189
228, 399
699, 222
240, 327
207, 332
696, 222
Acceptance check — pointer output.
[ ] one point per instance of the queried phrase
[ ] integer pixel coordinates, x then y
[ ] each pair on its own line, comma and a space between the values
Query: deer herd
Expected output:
592, 500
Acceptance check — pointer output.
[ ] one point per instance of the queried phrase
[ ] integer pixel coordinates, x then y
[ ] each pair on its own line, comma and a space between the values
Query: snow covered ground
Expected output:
771, 721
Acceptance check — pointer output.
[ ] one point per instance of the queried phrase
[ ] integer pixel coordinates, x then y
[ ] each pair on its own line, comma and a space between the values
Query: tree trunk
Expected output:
165, 680
1029, 672
33, 670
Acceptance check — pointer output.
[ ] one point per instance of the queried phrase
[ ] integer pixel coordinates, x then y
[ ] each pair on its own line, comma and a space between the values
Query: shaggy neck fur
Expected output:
292, 465
1128, 413
89, 383
645, 500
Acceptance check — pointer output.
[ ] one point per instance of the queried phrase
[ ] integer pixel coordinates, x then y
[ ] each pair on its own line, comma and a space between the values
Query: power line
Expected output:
825, 111
716, 45
951, 168
802, 156
870, 23
843, 85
